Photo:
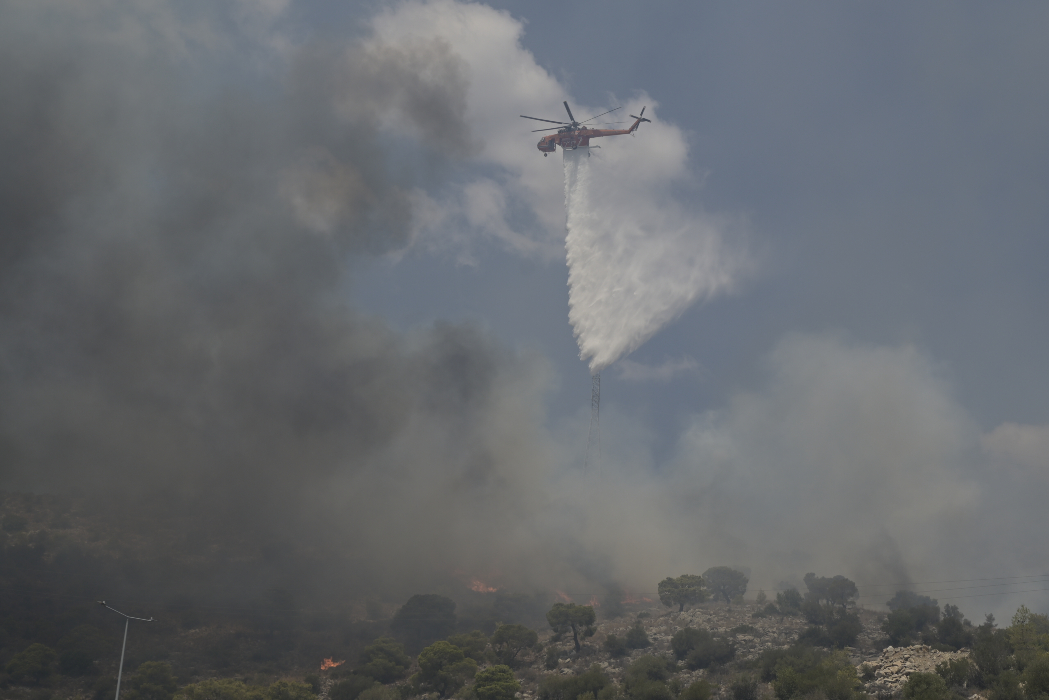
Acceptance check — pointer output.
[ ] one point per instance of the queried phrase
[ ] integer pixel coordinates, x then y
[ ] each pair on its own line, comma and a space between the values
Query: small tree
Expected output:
926, 686
496, 683
725, 582
789, 601
637, 638
686, 589
153, 680
444, 668
510, 640
383, 660
569, 616
32, 665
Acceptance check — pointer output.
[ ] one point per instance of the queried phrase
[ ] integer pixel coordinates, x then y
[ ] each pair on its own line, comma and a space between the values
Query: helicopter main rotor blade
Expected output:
600, 115
542, 120
570, 116
553, 128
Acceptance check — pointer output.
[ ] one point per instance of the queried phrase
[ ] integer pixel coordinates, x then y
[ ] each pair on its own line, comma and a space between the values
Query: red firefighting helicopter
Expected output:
573, 134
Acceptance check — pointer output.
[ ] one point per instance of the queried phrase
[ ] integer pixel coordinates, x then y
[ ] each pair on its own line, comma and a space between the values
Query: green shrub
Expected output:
153, 680
289, 690
700, 649
351, 687
383, 660
551, 659
615, 646
637, 638
1036, 678
700, 690
444, 668
31, 666
926, 686
496, 683
555, 687
220, 689
956, 672
744, 688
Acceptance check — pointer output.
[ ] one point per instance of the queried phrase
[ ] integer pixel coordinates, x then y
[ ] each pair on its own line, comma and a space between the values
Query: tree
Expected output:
496, 683
444, 668
383, 660
569, 616
289, 690
926, 686
219, 689
473, 644
153, 680
424, 619
637, 638
686, 589
789, 601
32, 665
725, 582
615, 646
510, 640
700, 649
351, 687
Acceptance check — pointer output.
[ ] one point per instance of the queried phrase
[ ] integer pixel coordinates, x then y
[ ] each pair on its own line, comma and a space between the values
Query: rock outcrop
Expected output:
895, 665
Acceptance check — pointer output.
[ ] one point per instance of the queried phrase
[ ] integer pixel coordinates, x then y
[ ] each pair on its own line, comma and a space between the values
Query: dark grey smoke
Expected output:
177, 226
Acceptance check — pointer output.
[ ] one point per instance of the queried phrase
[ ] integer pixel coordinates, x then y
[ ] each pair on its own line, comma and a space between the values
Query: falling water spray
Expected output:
593, 438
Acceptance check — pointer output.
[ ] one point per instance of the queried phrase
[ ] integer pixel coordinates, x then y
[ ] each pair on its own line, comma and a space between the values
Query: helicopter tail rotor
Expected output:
641, 118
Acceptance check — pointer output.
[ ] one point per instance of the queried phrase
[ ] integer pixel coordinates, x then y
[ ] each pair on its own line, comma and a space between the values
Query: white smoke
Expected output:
636, 260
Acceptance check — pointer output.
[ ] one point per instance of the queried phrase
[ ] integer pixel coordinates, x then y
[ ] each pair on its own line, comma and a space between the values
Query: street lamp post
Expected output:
127, 621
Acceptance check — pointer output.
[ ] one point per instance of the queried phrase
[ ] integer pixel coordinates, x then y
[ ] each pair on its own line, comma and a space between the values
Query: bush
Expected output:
510, 640
957, 673
700, 690
551, 659
496, 683
380, 692
153, 680
351, 687
289, 690
444, 668
789, 601
615, 646
1036, 678
219, 689
637, 638
926, 686
844, 628
744, 688
646, 678
555, 687
474, 643
799, 672
700, 649
31, 666
383, 660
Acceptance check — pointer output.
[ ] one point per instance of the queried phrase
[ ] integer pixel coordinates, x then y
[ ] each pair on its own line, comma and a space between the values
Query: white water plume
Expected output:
636, 259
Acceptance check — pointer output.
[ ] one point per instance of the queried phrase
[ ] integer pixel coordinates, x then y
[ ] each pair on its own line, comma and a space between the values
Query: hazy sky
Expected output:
862, 390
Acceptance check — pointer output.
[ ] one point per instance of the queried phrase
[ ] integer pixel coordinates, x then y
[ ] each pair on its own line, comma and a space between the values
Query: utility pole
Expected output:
127, 621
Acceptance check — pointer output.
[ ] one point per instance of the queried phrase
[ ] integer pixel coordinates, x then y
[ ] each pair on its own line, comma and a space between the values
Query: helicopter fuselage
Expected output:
571, 138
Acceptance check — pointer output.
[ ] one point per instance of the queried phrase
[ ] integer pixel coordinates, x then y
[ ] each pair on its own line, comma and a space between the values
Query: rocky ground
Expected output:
894, 665
752, 637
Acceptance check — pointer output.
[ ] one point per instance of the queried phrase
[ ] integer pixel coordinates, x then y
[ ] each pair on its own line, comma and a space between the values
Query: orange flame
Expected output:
563, 596
594, 603
480, 586
328, 663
